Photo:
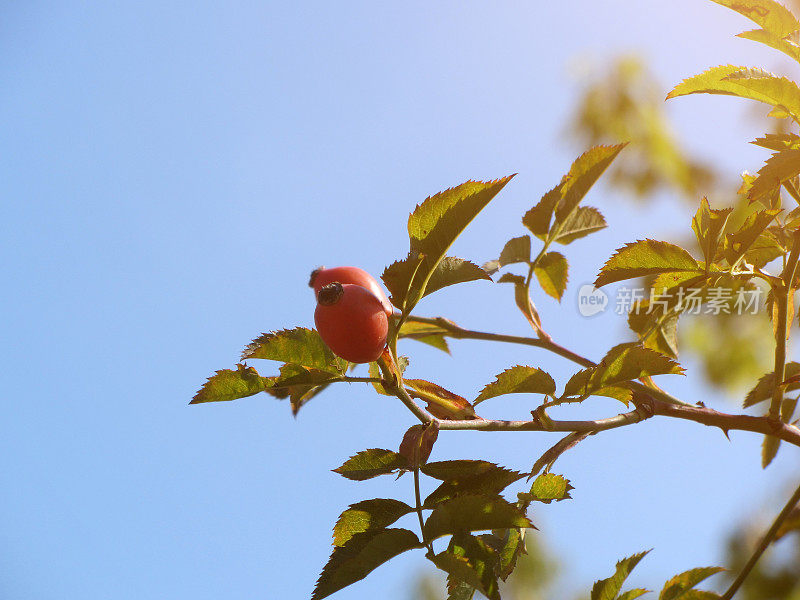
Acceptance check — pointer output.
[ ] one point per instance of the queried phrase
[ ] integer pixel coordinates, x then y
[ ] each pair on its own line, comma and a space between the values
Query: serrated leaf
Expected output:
300, 346
582, 175
512, 548
441, 403
473, 513
433, 335
623, 363
657, 330
397, 278
707, 225
548, 487
645, 257
472, 561
607, 589
767, 14
765, 37
371, 463
362, 554
459, 590
778, 91
782, 166
516, 250
228, 384
739, 242
552, 273
519, 380
294, 375
439, 220
492, 481
764, 250
447, 470
451, 271
367, 515
676, 587
632, 594
778, 141
538, 218
583, 221
715, 81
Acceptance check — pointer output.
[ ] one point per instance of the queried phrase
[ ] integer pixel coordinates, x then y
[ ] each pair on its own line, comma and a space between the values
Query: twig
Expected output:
765, 542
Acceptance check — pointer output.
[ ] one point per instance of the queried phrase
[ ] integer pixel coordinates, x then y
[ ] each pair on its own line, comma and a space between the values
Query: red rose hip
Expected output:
353, 275
351, 321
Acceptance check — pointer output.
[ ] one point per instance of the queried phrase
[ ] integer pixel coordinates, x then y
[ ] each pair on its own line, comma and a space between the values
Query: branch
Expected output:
457, 332
769, 537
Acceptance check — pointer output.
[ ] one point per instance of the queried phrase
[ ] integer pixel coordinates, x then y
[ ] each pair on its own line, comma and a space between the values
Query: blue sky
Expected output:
172, 171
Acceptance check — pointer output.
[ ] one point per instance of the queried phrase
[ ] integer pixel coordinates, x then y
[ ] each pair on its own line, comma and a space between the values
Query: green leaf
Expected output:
300, 346
607, 589
368, 515
493, 481
459, 590
767, 14
623, 363
371, 463
518, 380
739, 242
473, 513
715, 81
397, 278
453, 270
433, 335
516, 250
583, 221
548, 487
362, 554
783, 165
769, 450
778, 141
657, 330
439, 220
551, 272
583, 174
707, 225
228, 384
632, 594
538, 218
294, 375
676, 588
645, 257
512, 548
778, 91
470, 560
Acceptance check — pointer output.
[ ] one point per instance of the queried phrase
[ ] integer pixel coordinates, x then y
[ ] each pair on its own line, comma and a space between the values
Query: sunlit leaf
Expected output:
371, 463
300, 346
359, 556
607, 589
448, 470
582, 175
778, 91
707, 225
765, 387
549, 487
715, 81
765, 37
516, 250
519, 380
676, 587
539, 218
645, 257
228, 384
583, 221
397, 278
441, 403
473, 513
778, 141
367, 515
492, 481
767, 14
451, 271
552, 273
739, 242
433, 335
782, 166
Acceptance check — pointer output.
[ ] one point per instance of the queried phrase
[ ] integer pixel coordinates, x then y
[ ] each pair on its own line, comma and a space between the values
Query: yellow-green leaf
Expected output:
707, 225
778, 91
607, 589
715, 81
371, 463
516, 250
582, 175
782, 166
451, 271
519, 380
367, 515
645, 257
677, 587
552, 273
470, 560
228, 384
767, 14
739, 242
583, 221
765, 37
300, 346
538, 218
549, 487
